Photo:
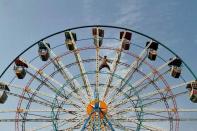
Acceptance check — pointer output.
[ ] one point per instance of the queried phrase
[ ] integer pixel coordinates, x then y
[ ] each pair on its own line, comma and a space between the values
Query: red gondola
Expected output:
193, 95
192, 87
19, 68
126, 41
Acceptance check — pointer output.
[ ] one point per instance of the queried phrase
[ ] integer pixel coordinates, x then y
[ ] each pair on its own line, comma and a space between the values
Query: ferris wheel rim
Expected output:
107, 26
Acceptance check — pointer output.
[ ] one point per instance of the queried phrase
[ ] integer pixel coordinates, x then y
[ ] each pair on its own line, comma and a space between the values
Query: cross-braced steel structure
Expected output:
61, 83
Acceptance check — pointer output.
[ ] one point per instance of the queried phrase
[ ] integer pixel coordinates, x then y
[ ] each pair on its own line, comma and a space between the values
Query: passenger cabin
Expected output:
20, 68
192, 87
193, 95
3, 94
98, 34
69, 37
43, 51
175, 67
152, 50
126, 36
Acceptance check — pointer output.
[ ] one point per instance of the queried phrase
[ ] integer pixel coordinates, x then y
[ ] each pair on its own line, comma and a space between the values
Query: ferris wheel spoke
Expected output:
36, 93
146, 96
145, 126
62, 122
81, 67
162, 90
35, 120
62, 96
69, 110
96, 92
65, 73
121, 127
143, 85
77, 125
149, 104
166, 98
26, 120
38, 116
159, 115
159, 100
44, 114
65, 97
114, 66
28, 99
41, 127
131, 96
45, 104
140, 81
42, 73
132, 69
137, 122
78, 120
167, 120
150, 111
117, 124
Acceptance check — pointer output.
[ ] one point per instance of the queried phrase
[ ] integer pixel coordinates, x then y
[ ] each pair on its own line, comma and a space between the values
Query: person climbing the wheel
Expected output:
104, 63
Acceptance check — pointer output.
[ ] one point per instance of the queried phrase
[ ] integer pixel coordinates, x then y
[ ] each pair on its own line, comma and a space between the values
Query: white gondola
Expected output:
175, 67
98, 33
175, 71
3, 94
152, 50
43, 51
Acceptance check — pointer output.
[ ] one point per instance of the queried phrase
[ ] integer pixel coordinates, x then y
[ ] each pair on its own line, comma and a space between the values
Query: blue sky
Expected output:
24, 22
171, 22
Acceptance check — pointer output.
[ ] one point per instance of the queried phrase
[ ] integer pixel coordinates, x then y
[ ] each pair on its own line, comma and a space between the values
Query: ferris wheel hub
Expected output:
97, 108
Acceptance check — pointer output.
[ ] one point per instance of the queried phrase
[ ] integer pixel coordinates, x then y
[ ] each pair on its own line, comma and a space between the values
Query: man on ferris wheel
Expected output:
104, 63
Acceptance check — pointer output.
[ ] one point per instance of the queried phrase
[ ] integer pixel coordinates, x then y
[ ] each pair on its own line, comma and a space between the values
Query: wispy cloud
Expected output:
129, 14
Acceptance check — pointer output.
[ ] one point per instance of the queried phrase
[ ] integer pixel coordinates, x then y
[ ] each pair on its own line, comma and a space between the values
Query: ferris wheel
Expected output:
98, 77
